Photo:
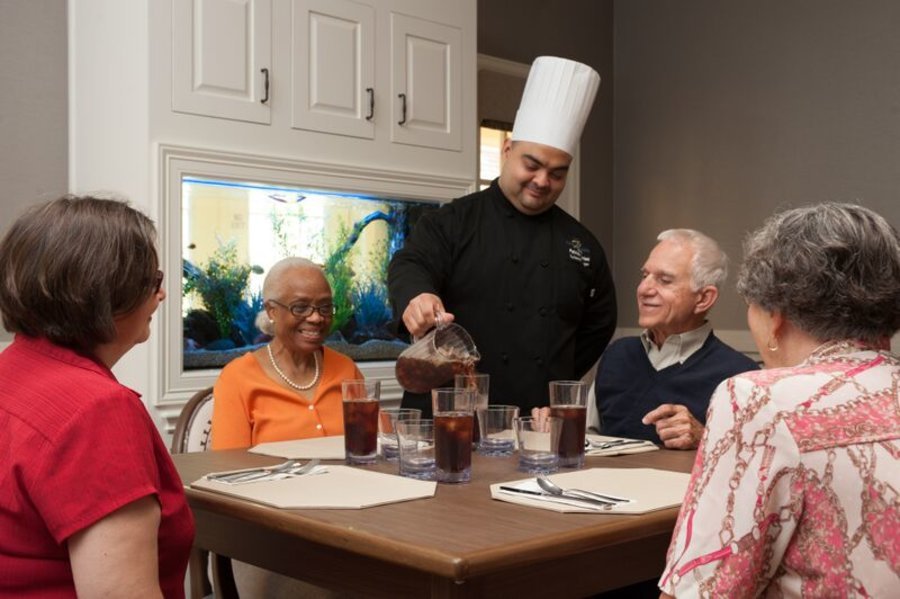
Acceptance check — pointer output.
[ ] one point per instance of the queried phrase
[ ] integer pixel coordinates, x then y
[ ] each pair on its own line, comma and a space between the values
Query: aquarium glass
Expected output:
234, 231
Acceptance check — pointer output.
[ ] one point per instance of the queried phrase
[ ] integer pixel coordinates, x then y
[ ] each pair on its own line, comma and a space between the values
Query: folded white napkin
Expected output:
641, 447
648, 489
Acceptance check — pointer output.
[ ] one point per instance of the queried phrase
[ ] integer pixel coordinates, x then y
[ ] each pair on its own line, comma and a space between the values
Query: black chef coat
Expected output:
535, 292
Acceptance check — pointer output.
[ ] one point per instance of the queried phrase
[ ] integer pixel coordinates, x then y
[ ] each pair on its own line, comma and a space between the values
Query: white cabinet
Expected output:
387, 84
221, 58
333, 67
425, 77
410, 92
363, 69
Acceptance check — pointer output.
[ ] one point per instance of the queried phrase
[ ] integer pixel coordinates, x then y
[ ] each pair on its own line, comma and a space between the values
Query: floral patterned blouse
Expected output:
796, 488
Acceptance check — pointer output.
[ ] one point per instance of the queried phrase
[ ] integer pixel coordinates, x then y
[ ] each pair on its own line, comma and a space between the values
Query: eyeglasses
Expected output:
301, 310
157, 281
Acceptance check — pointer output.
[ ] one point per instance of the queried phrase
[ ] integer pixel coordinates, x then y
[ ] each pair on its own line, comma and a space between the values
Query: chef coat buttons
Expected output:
509, 307
514, 258
505, 358
311, 408
542, 311
318, 427
545, 263
539, 361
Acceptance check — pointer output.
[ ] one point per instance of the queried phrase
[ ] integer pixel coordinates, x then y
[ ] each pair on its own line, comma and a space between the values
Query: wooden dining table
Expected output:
459, 543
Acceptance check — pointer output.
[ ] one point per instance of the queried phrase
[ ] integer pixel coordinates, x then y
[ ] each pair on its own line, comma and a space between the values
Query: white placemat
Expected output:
341, 487
323, 448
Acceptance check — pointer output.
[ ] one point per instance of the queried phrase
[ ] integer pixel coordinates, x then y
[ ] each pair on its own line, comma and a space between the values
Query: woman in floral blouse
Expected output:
796, 487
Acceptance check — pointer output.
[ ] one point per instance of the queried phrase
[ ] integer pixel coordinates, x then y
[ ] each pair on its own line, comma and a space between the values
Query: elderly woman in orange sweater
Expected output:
291, 387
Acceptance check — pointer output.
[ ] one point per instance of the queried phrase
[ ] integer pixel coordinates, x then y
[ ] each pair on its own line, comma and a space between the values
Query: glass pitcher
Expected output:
433, 360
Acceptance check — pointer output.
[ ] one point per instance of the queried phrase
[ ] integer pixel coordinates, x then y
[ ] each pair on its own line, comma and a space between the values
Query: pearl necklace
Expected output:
311, 384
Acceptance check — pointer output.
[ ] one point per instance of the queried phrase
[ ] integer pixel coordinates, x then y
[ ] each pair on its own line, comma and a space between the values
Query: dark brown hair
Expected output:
70, 266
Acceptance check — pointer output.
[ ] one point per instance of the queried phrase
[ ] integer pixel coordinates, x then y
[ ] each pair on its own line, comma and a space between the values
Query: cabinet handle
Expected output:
403, 109
265, 73
371, 93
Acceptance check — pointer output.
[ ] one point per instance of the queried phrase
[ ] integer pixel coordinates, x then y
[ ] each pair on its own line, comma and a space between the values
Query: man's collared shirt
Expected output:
676, 348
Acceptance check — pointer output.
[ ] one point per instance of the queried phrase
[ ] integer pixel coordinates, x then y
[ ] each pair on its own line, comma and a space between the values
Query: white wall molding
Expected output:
174, 162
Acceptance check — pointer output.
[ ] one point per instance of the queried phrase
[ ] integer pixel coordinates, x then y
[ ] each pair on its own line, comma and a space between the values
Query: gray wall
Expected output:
726, 111
582, 30
33, 111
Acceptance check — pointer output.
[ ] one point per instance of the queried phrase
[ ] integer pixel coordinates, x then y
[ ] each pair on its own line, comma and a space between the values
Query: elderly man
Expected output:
657, 386
528, 281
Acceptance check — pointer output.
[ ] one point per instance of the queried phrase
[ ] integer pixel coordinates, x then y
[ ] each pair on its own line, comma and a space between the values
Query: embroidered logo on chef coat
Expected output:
578, 252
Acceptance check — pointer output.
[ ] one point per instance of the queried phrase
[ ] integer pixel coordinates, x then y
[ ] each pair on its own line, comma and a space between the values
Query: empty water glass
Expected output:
496, 425
538, 440
387, 433
415, 440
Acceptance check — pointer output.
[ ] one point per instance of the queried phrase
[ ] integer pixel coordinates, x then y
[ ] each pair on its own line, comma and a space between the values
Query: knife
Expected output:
560, 498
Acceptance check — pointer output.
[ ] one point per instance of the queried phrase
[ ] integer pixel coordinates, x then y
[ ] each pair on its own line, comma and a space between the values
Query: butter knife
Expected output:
556, 498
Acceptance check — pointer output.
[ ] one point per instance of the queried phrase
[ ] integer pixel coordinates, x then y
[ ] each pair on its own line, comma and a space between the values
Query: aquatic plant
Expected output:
245, 318
371, 309
340, 277
221, 284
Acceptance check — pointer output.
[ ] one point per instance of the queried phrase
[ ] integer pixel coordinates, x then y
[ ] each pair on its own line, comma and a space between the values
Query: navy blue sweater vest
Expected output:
627, 385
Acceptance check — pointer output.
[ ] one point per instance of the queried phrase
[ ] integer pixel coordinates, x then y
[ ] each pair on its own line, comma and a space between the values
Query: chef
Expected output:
528, 281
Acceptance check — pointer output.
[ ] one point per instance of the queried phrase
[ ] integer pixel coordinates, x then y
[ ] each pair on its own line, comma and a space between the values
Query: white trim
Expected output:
503, 66
175, 162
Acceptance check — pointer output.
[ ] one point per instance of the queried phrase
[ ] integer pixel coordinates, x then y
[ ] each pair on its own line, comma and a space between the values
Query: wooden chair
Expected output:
192, 433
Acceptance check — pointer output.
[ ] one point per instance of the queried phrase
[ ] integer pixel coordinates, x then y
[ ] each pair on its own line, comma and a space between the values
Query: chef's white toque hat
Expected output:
556, 103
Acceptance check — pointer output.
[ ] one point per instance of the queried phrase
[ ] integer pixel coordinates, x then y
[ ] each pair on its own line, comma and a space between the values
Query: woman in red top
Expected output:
90, 502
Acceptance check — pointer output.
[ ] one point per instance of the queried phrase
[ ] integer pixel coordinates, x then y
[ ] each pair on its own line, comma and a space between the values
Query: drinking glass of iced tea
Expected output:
361, 400
568, 402
480, 384
453, 426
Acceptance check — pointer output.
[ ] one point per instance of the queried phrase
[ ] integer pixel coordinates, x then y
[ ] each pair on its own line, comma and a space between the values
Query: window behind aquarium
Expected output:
235, 231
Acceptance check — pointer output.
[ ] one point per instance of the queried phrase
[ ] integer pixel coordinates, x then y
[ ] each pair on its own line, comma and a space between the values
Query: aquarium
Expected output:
232, 232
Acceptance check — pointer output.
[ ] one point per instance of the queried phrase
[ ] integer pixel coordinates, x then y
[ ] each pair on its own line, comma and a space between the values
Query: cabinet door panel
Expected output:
219, 50
426, 59
333, 67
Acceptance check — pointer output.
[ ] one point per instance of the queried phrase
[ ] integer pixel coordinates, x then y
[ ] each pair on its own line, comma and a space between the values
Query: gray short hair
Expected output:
831, 269
272, 286
709, 265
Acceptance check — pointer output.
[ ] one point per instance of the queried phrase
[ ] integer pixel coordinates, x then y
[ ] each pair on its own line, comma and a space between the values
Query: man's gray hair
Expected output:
831, 269
709, 264
272, 286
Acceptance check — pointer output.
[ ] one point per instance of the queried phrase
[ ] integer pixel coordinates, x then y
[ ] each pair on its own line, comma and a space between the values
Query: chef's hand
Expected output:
419, 315
675, 425
540, 416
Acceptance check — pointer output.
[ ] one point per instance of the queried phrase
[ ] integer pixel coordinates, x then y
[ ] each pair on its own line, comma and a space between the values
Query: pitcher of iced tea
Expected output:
433, 360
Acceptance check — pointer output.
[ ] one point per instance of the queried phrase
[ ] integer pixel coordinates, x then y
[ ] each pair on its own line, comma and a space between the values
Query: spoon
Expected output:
542, 478
549, 486
610, 444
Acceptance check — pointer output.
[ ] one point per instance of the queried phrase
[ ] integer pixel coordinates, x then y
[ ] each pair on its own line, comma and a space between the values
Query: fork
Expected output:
289, 467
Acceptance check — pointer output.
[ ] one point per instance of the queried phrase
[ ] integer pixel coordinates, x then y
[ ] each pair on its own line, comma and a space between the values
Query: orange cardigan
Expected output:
250, 408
